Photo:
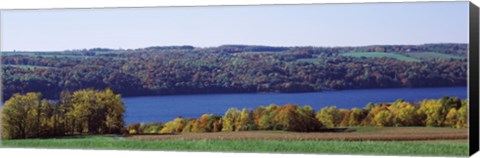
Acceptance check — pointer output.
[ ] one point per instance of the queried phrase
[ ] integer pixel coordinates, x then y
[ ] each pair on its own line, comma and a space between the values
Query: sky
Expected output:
277, 25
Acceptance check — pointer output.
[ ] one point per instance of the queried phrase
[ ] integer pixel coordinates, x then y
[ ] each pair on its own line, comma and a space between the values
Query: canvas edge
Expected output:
473, 91
473, 57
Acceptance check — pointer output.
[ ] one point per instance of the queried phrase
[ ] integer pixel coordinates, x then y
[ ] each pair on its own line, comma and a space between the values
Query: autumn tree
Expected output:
30, 116
434, 111
290, 117
257, 114
265, 121
403, 113
189, 126
230, 120
373, 111
134, 128
285, 117
462, 116
175, 126
21, 116
151, 128
356, 117
206, 123
65, 106
246, 121
451, 102
97, 111
384, 118
345, 113
329, 116
114, 110
307, 121
451, 118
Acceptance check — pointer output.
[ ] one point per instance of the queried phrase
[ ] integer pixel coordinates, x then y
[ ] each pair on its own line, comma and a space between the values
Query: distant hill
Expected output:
172, 70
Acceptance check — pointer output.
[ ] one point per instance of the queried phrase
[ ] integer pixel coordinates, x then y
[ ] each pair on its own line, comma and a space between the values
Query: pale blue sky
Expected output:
281, 25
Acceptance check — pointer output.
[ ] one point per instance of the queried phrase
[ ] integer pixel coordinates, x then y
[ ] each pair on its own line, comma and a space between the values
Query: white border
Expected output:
70, 153
50, 4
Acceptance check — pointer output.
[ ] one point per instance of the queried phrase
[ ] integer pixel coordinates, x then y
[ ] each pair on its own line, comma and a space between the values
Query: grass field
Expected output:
380, 55
49, 54
283, 146
434, 147
260, 52
29, 66
434, 55
308, 60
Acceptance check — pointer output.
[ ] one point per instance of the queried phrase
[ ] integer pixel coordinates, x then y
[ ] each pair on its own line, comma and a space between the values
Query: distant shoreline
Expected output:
233, 93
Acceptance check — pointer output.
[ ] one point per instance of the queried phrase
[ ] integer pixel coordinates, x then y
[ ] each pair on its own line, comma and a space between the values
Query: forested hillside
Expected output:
234, 69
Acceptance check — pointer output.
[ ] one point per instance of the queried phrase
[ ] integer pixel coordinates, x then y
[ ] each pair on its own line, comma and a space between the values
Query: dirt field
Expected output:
359, 134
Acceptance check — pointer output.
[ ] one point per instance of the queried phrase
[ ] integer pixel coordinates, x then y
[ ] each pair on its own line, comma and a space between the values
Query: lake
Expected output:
166, 108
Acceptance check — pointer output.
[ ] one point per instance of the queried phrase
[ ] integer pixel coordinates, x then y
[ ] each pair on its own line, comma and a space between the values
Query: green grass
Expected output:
434, 55
48, 54
308, 60
26, 52
434, 148
380, 55
29, 66
261, 52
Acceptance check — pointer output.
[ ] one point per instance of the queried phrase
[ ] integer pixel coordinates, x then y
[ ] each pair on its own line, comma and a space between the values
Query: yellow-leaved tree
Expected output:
433, 111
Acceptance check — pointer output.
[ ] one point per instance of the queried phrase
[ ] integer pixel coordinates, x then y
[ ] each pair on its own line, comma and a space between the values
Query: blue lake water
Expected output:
166, 108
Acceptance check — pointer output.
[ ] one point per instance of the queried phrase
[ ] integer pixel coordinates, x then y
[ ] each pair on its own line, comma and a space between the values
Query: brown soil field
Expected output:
361, 134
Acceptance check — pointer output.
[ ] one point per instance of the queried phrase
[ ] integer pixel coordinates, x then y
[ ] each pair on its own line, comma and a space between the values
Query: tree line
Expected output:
81, 112
91, 111
443, 112
177, 70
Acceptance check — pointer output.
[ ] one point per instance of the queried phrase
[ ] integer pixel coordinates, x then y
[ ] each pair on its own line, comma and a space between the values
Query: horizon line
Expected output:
180, 45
